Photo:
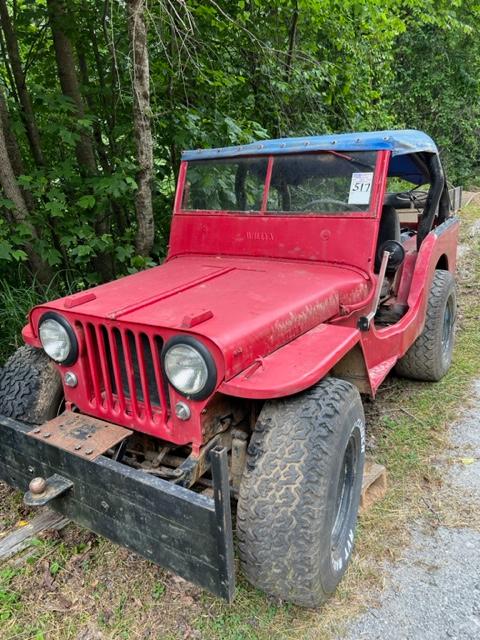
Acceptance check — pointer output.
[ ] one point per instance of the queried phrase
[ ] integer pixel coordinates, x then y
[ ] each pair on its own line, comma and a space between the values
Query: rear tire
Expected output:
300, 492
430, 356
30, 387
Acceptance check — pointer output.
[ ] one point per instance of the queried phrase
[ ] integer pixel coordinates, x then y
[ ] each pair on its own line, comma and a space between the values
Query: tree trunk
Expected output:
20, 213
8, 69
70, 86
13, 149
292, 35
141, 125
24, 96
97, 131
10, 140
69, 81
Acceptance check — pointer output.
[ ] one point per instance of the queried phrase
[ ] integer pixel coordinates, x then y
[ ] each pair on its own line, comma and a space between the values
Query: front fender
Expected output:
294, 367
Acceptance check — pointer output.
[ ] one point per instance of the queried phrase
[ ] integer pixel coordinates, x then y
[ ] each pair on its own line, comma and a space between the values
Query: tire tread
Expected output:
282, 469
423, 360
29, 386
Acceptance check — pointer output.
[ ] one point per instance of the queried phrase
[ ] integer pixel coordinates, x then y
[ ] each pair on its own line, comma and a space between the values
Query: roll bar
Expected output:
437, 198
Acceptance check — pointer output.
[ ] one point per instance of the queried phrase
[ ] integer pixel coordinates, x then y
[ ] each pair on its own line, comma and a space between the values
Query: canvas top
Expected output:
400, 142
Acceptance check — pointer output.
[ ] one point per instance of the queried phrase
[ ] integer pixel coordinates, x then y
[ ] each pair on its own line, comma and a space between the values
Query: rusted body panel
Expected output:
82, 436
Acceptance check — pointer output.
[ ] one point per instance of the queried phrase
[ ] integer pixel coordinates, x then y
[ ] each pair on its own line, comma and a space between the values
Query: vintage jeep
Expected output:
299, 273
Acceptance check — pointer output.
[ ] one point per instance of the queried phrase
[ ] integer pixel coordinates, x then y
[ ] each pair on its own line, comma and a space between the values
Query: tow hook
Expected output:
41, 491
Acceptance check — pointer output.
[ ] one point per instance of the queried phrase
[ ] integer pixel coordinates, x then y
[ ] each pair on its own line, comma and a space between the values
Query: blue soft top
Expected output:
401, 143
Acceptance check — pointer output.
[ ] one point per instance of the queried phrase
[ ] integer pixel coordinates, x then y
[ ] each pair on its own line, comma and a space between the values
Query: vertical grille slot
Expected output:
125, 373
117, 366
103, 349
94, 362
156, 346
131, 378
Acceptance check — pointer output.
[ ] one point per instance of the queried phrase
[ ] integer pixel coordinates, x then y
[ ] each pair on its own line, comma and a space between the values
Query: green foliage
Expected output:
18, 295
222, 72
9, 599
436, 85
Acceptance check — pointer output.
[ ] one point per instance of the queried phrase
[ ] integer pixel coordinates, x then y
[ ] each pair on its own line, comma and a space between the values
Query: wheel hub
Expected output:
344, 495
447, 329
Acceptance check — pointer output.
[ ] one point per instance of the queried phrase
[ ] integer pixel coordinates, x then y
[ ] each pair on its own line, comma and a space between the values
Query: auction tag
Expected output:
360, 188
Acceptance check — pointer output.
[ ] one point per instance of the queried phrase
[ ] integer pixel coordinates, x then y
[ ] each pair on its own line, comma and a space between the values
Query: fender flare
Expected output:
295, 366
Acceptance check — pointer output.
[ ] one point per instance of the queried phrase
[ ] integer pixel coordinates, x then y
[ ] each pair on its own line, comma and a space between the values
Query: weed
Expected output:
16, 300
158, 591
9, 599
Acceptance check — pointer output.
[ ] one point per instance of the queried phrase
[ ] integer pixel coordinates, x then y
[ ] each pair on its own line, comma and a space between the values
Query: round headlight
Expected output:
189, 368
58, 339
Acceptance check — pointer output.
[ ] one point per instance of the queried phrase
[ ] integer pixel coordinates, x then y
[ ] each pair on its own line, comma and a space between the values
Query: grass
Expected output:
73, 585
17, 297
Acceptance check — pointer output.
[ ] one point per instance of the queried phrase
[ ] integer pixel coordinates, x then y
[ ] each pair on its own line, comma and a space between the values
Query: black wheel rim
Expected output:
344, 495
447, 330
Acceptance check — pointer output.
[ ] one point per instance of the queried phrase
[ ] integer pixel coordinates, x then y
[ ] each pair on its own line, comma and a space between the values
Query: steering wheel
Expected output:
341, 203
415, 195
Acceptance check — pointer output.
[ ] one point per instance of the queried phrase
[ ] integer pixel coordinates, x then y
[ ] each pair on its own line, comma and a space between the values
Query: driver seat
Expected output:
389, 229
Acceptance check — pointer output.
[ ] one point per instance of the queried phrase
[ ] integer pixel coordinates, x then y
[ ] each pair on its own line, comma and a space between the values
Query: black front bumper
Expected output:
183, 531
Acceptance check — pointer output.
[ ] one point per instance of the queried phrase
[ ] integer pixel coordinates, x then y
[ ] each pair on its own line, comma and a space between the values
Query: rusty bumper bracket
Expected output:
174, 527
82, 435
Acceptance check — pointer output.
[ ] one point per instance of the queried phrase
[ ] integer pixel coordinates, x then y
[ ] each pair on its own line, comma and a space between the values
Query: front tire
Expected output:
30, 387
300, 492
430, 356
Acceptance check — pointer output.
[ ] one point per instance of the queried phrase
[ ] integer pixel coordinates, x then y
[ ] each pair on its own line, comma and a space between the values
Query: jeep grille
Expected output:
123, 372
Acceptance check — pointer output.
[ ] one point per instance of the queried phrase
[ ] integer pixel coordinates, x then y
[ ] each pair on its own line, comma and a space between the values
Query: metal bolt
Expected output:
36, 430
37, 485
70, 379
78, 447
31, 469
88, 452
47, 435
182, 411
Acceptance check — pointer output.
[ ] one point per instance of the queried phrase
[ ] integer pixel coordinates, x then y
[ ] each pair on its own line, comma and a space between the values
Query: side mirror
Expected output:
397, 254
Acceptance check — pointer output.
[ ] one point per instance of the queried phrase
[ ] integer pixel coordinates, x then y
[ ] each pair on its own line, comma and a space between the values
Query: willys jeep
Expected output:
300, 272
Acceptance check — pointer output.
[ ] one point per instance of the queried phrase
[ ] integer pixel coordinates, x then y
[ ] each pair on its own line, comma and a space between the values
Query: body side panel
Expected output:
382, 347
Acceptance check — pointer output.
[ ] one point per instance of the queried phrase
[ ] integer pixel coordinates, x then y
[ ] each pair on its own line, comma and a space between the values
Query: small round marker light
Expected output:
182, 411
70, 379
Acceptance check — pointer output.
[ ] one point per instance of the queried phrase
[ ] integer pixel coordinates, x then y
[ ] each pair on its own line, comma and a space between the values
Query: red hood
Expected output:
247, 307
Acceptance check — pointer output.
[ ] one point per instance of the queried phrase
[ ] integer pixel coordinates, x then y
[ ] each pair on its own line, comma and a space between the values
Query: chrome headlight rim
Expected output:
202, 350
73, 353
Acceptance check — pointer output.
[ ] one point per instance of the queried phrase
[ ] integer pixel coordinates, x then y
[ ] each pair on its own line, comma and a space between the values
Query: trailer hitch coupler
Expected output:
41, 491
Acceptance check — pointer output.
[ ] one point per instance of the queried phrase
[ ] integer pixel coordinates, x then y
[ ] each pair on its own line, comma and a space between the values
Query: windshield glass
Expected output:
225, 185
307, 183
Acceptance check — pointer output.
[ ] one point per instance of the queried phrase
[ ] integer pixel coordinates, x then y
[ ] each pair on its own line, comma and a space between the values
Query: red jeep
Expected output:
295, 281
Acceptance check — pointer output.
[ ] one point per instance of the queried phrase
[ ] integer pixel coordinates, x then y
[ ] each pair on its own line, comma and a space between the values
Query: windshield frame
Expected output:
379, 178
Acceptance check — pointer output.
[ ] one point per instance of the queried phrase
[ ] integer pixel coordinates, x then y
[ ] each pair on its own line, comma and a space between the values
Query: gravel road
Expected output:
434, 591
